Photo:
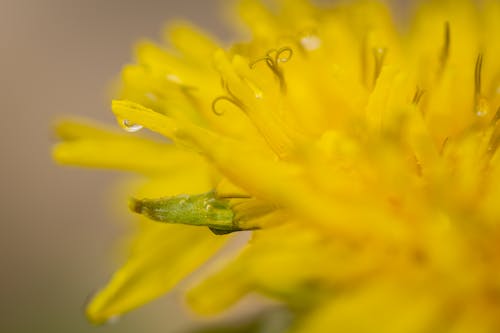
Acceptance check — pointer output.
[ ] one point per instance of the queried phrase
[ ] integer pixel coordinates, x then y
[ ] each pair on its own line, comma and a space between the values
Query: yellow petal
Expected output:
164, 255
219, 291
73, 129
282, 183
133, 113
92, 146
194, 44
374, 308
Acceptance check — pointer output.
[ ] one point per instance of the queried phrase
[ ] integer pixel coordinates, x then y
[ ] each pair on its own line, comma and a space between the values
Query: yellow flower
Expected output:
363, 158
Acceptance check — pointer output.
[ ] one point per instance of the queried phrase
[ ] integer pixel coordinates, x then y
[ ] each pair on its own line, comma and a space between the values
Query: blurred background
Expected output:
57, 228
58, 231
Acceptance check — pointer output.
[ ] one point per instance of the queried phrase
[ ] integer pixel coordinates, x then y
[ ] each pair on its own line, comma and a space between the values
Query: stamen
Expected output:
495, 118
477, 74
364, 61
418, 95
379, 55
444, 145
445, 52
267, 59
281, 55
236, 103
494, 141
418, 166
481, 105
231, 98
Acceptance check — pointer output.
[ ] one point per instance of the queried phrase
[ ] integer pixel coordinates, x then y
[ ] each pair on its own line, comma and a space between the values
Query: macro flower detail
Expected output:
362, 157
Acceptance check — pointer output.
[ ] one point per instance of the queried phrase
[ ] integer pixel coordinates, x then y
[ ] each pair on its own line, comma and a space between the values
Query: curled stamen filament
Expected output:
230, 97
279, 57
273, 58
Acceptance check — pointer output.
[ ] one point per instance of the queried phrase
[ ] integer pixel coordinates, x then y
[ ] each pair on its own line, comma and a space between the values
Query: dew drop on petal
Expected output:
310, 42
130, 127
174, 78
113, 320
208, 204
151, 97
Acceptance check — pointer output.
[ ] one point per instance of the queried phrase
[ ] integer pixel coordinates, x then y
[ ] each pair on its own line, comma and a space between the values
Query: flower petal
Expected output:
92, 146
164, 255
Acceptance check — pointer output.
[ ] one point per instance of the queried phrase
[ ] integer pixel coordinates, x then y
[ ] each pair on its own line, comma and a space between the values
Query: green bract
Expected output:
205, 209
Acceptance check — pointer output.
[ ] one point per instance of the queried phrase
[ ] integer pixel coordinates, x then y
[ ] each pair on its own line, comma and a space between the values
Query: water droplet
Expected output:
174, 78
151, 97
256, 91
182, 197
130, 127
481, 112
113, 320
208, 204
482, 107
310, 42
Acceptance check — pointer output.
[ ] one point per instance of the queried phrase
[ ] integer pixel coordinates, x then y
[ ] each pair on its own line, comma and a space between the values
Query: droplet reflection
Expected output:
131, 127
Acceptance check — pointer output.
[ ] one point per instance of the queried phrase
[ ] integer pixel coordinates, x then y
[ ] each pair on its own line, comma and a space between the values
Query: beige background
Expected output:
57, 233
56, 227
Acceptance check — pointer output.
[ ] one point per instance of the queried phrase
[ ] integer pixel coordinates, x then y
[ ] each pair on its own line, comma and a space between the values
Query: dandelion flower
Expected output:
363, 158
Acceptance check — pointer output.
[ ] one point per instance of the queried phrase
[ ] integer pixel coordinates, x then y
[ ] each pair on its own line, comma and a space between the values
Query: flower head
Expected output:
364, 159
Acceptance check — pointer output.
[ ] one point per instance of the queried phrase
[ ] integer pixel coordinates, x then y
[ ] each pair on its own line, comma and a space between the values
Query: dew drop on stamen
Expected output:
131, 127
482, 108
256, 91
481, 113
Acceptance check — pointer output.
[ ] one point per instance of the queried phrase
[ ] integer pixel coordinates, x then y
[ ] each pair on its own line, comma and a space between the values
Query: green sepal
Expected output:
204, 209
